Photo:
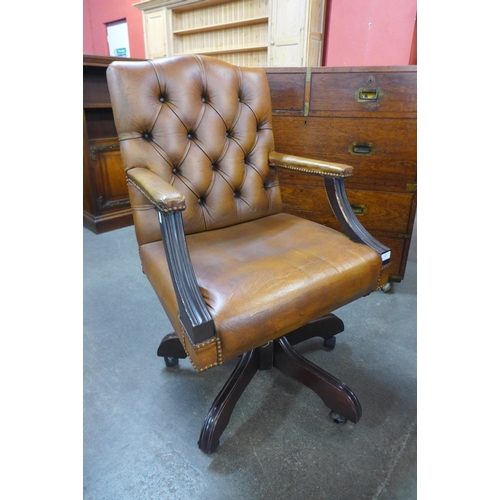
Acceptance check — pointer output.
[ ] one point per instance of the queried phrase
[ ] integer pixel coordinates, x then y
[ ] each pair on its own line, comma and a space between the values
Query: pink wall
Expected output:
357, 32
370, 33
96, 13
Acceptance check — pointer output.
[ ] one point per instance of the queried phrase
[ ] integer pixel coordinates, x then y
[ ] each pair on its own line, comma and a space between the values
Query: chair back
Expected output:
204, 126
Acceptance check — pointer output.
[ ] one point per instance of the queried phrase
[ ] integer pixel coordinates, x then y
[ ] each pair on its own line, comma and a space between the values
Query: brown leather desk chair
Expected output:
235, 275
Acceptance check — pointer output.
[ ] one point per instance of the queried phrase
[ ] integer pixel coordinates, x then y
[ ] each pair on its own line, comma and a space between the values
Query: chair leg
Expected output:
334, 393
170, 349
326, 327
223, 406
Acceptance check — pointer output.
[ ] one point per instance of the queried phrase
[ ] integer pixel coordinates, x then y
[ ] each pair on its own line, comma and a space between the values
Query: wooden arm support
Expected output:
337, 196
169, 203
193, 312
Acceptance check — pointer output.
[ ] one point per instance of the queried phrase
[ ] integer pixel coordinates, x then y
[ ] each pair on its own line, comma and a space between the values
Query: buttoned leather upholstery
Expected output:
205, 127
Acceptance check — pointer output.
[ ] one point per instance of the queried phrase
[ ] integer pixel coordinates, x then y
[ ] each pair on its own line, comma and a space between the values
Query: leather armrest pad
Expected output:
163, 195
315, 167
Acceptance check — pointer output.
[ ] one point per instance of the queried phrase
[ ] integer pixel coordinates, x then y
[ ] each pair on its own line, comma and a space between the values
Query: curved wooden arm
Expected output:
193, 312
315, 167
337, 196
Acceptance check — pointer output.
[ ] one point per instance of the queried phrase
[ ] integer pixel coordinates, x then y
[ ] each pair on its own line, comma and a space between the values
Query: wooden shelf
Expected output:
239, 50
292, 31
222, 26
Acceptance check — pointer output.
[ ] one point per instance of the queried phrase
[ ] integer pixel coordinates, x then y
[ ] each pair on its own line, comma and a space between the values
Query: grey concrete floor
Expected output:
141, 421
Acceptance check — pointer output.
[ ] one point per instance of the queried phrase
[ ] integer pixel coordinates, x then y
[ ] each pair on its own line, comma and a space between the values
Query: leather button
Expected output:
162, 99
236, 194
215, 166
190, 135
203, 99
174, 170
228, 134
147, 136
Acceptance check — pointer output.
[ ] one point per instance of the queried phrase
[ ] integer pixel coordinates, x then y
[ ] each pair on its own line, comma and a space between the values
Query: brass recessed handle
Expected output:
359, 208
368, 95
361, 148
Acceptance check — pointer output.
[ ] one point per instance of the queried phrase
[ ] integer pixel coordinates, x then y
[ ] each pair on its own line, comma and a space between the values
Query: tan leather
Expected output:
196, 132
309, 166
264, 278
205, 127
159, 192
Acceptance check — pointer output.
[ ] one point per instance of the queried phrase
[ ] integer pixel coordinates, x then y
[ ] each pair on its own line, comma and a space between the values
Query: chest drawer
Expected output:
376, 210
361, 92
375, 147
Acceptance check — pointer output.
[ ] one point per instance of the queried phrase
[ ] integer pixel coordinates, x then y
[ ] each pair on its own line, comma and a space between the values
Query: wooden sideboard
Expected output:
364, 117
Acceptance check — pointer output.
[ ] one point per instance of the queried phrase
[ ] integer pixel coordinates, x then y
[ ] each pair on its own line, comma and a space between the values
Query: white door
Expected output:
118, 39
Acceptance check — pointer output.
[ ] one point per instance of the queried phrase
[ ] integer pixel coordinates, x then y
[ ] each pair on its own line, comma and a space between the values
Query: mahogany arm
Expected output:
337, 196
309, 166
333, 176
169, 202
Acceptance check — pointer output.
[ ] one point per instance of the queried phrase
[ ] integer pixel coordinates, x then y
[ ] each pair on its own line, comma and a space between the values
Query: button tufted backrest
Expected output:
204, 126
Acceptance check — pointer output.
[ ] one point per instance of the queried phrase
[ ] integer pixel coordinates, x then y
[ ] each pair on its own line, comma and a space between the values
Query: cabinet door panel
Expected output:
156, 33
109, 178
287, 37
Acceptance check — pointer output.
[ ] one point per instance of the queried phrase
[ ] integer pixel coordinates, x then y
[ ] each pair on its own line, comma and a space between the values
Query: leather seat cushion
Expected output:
264, 278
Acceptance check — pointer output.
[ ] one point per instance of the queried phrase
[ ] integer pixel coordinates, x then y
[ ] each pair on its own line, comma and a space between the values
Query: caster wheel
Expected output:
330, 343
171, 361
338, 419
386, 288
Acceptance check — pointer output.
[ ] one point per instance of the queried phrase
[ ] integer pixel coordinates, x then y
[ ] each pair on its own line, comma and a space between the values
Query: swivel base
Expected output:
280, 354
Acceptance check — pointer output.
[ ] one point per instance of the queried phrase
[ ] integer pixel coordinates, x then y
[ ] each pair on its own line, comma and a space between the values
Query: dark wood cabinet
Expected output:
365, 117
106, 205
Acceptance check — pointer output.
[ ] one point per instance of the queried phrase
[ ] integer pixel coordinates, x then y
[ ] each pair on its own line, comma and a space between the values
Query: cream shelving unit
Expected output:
243, 32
